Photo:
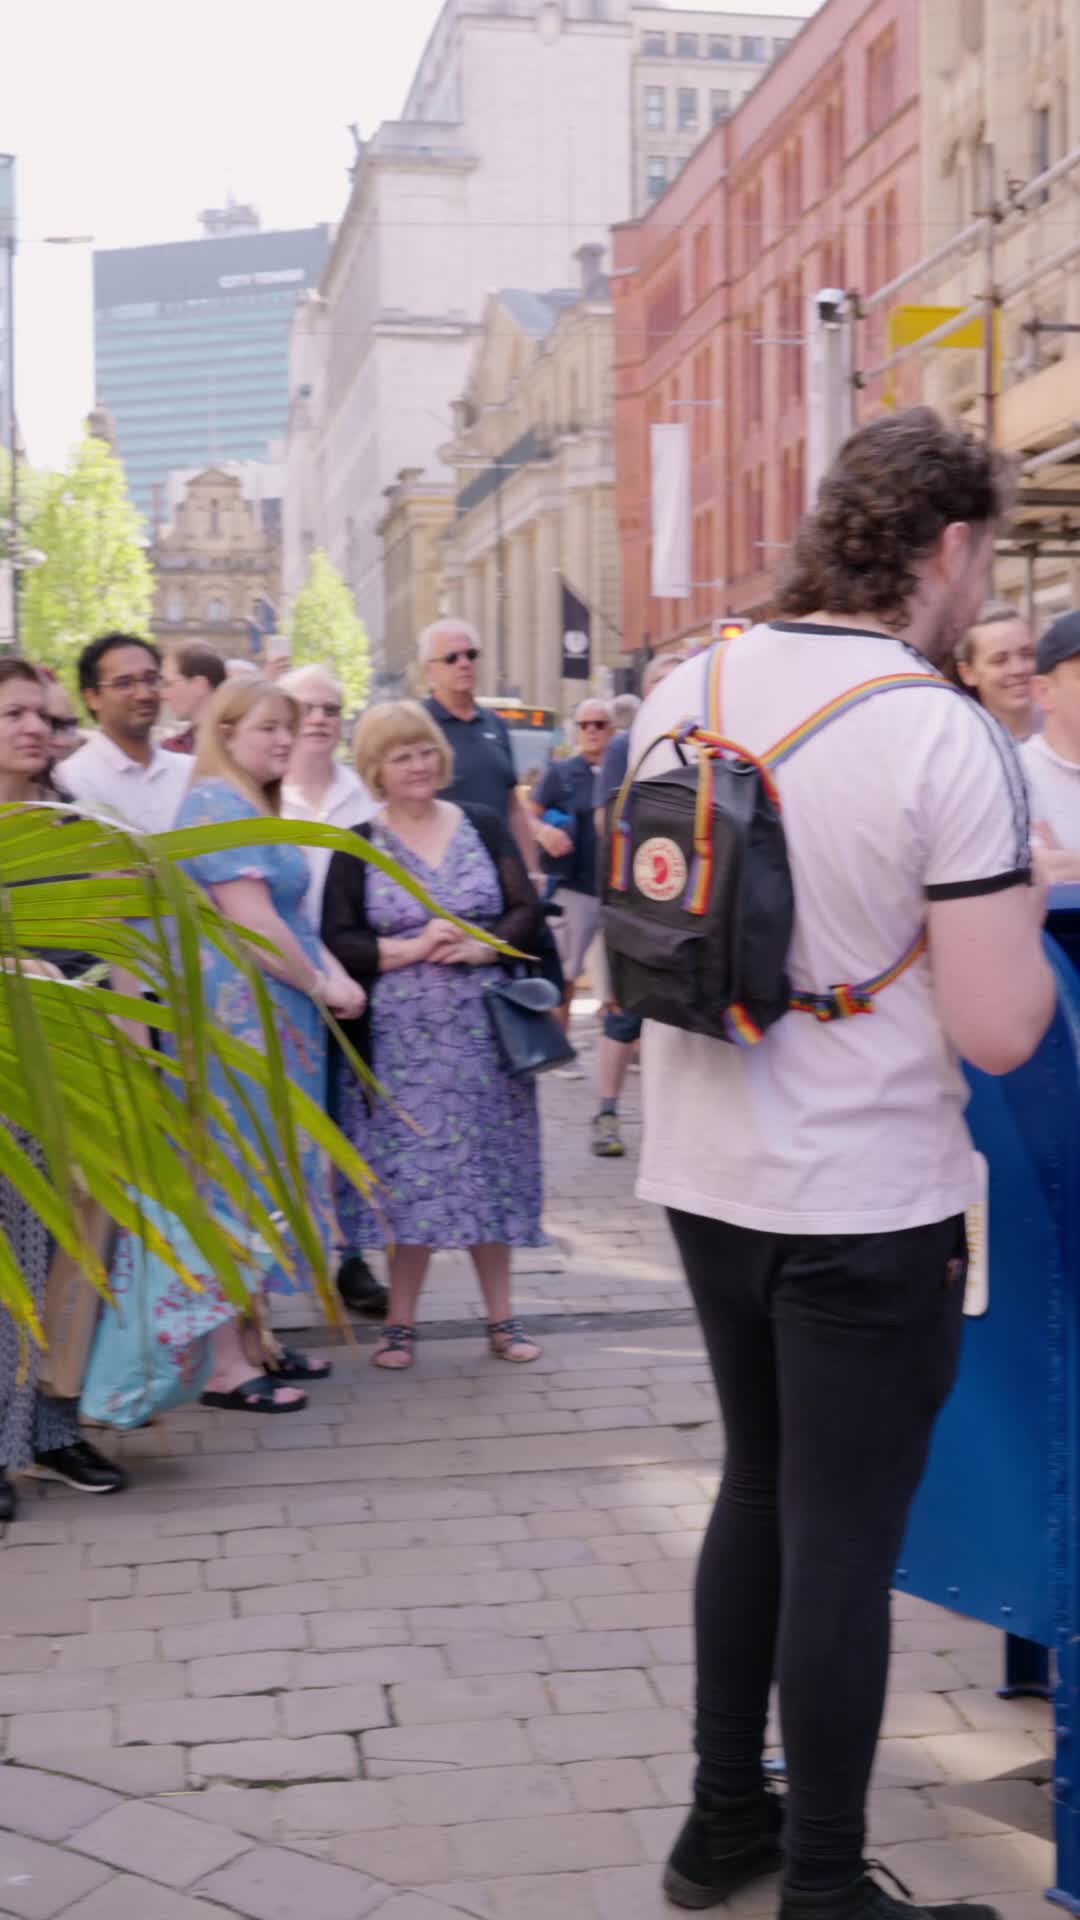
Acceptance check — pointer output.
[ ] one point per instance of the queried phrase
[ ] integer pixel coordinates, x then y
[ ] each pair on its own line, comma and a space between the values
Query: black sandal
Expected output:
253, 1396
293, 1365
395, 1340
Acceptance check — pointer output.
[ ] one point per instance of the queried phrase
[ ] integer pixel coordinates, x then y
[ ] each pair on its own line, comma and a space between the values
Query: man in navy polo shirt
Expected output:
484, 772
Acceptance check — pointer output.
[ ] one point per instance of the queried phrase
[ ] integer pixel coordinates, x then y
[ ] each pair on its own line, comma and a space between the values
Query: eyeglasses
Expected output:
62, 726
127, 683
330, 709
594, 726
451, 659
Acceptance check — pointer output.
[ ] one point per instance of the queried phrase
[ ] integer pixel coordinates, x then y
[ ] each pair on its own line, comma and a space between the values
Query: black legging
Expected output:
832, 1357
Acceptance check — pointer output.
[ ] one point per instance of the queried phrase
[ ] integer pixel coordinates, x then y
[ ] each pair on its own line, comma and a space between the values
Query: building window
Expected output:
832, 143
688, 109
779, 47
654, 44
720, 46
687, 46
216, 612
719, 104
174, 608
880, 80
701, 413
702, 265
752, 47
791, 184
753, 229
215, 520
655, 175
892, 235
655, 108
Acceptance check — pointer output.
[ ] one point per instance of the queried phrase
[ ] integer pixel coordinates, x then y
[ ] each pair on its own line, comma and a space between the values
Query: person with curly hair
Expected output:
817, 1182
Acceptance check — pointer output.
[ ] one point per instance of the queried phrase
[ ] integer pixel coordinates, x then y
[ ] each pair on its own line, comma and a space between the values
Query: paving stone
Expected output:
272, 1633
609, 1691
38, 1881
335, 1710
587, 1652
515, 1696
984, 1709
142, 1838
240, 1673
571, 1583
404, 1856
599, 1736
455, 1798
41, 1605
159, 1610
303, 1596
336, 1806
896, 1814
128, 1898
197, 1722
176, 1576
386, 1666
491, 1655
989, 1806
51, 1692
380, 1627
258, 1515
657, 1829
416, 1906
256, 1542
105, 1650
257, 1570
31, 1733
578, 1840
121, 1769
980, 1756
919, 1713
250, 1810
46, 1808
144, 1550
673, 1774
611, 1611
327, 1757
270, 1883
19, 1654
478, 1743
963, 1868
611, 1786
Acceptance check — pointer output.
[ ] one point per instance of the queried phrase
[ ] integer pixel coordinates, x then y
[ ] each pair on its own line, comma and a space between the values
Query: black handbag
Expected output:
527, 1034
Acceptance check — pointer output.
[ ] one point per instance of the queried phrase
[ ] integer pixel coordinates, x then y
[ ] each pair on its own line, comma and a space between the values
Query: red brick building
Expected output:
813, 182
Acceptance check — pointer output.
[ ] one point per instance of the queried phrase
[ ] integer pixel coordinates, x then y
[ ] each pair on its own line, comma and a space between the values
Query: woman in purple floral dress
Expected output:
456, 1142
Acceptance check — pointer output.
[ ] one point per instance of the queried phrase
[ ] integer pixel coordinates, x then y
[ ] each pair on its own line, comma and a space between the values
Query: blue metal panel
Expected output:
995, 1531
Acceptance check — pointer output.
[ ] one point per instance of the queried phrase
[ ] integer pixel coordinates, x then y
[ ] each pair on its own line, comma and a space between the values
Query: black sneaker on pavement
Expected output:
80, 1466
9, 1503
864, 1899
722, 1848
361, 1291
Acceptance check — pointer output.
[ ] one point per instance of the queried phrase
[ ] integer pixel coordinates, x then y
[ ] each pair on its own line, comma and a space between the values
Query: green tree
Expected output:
324, 627
95, 574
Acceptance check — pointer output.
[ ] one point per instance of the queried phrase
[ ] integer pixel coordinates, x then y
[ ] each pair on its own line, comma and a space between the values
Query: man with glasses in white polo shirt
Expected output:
120, 773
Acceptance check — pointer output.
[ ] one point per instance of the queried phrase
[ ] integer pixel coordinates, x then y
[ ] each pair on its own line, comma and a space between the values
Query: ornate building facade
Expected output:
215, 561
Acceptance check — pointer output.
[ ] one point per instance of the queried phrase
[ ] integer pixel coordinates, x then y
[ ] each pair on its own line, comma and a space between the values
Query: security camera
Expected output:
831, 305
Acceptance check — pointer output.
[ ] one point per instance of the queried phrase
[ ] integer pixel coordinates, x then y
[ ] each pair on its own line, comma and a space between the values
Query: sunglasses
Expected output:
63, 726
594, 726
451, 659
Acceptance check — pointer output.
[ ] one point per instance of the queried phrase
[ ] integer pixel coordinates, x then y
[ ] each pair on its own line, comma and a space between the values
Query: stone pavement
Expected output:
423, 1651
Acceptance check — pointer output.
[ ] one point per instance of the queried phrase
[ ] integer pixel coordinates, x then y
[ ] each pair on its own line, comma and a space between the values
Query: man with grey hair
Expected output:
570, 790
995, 661
484, 770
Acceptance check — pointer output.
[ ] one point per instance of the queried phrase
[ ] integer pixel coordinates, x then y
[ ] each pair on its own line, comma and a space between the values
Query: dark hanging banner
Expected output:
576, 637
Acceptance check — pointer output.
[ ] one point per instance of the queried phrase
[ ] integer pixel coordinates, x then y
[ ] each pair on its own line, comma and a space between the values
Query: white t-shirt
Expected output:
105, 780
855, 1126
346, 803
1054, 786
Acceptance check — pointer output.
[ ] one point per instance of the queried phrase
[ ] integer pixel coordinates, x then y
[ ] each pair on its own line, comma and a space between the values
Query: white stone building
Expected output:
517, 146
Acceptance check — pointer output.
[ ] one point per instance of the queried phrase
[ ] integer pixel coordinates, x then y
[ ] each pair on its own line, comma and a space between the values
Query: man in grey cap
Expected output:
1051, 759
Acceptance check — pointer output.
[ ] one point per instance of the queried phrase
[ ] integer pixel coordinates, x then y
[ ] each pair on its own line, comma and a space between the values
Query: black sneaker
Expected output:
863, 1899
360, 1290
8, 1500
80, 1466
721, 1848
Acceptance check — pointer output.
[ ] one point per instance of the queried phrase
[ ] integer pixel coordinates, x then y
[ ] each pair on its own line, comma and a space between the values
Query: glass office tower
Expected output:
191, 344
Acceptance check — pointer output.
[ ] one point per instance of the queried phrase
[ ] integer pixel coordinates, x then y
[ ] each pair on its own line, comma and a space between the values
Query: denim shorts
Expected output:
624, 1027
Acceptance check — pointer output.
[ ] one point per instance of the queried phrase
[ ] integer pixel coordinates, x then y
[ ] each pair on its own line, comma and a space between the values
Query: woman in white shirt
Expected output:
318, 787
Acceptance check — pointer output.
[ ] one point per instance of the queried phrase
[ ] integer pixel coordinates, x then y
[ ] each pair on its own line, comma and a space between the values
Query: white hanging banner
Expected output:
670, 452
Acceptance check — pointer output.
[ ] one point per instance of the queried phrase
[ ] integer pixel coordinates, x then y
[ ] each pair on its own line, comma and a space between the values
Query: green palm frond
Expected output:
118, 1119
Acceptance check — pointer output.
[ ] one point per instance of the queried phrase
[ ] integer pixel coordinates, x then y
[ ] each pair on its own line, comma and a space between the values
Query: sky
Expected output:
128, 117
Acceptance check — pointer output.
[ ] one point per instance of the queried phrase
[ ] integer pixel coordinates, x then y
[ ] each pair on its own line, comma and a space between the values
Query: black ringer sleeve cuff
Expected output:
969, 889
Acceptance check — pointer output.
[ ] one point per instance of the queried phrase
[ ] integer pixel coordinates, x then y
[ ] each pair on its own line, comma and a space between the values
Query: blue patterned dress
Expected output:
299, 1024
472, 1176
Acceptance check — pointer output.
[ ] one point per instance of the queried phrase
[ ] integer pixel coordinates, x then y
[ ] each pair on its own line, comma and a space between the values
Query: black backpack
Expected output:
698, 902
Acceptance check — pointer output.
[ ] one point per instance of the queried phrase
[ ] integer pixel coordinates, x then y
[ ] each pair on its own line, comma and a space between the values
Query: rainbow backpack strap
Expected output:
842, 1002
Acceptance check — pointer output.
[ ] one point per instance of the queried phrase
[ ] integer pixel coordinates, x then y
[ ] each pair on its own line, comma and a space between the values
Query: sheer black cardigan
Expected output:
348, 933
